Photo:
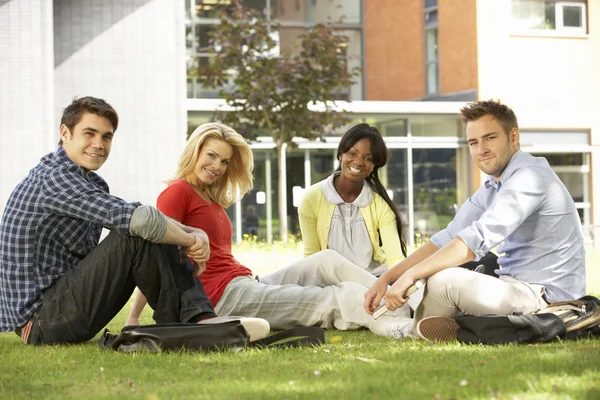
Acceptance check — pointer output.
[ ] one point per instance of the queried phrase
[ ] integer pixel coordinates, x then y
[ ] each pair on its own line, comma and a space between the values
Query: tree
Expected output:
269, 89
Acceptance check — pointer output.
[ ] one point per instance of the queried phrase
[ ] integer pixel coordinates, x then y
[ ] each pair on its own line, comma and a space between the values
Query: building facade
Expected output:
421, 60
437, 55
131, 53
541, 57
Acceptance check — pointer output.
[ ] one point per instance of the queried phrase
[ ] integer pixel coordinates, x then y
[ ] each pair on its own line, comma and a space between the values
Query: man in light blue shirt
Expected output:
523, 209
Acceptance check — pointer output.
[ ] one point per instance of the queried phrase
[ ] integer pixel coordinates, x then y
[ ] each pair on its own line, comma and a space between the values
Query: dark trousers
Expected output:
86, 298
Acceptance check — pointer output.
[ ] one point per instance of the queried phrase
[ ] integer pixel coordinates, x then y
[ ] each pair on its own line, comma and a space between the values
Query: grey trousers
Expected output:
324, 289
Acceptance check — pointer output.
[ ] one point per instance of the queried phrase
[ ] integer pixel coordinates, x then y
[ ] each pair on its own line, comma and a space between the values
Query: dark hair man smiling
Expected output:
58, 284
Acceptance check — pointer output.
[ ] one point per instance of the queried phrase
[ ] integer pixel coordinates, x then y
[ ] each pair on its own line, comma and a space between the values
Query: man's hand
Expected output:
396, 295
374, 295
200, 250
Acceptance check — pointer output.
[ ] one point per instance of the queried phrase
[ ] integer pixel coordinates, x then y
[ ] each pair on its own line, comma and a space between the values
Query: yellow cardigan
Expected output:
315, 214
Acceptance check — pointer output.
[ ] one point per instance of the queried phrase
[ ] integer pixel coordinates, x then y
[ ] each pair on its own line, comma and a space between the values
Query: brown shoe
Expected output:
437, 329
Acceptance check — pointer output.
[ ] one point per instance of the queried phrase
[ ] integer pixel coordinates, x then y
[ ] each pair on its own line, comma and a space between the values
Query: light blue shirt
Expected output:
531, 217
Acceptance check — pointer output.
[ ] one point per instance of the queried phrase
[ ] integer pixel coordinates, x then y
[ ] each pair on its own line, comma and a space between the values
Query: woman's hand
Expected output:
199, 269
374, 295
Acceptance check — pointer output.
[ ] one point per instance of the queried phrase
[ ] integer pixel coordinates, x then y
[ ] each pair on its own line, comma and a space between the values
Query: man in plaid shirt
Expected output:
58, 284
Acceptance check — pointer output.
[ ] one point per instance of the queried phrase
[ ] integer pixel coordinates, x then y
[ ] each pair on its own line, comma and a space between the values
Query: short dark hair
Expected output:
93, 105
504, 114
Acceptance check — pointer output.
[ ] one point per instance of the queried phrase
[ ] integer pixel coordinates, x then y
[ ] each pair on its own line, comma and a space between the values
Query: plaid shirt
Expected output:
52, 220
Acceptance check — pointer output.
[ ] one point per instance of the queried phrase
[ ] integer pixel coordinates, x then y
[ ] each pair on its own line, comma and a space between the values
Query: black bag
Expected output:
567, 320
488, 264
203, 337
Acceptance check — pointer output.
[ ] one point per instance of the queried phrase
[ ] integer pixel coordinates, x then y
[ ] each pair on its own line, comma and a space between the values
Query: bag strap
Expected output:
308, 335
106, 340
576, 314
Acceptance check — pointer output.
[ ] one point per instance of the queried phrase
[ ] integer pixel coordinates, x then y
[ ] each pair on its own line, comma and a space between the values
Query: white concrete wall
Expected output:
26, 89
132, 54
550, 82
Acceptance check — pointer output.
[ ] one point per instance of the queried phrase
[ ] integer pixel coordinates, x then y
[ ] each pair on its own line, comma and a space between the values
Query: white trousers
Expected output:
455, 290
324, 289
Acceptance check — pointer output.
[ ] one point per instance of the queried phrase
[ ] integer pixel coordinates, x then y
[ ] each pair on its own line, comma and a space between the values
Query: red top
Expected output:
180, 201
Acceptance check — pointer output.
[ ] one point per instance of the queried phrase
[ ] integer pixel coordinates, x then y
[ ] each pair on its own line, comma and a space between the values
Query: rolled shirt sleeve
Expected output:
469, 212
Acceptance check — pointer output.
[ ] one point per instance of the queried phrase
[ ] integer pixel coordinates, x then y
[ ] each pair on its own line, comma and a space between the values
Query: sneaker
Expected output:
396, 328
437, 329
256, 328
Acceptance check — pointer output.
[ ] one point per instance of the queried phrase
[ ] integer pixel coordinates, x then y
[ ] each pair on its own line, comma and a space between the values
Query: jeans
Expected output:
82, 301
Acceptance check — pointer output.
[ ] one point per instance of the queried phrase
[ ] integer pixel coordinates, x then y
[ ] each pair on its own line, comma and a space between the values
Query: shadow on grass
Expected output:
357, 366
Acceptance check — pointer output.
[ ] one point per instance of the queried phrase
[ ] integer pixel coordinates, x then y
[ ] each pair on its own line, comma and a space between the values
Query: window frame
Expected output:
430, 25
559, 16
559, 30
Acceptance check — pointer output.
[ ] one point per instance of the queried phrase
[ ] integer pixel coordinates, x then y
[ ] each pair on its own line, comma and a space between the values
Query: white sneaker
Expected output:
256, 328
396, 328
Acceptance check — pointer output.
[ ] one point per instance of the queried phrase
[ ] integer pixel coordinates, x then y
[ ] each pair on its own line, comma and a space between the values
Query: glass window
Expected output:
574, 159
573, 170
292, 19
289, 38
290, 11
317, 11
189, 37
572, 16
435, 191
431, 61
549, 15
203, 41
197, 71
321, 164
435, 126
347, 12
353, 53
190, 88
393, 128
431, 18
210, 8
394, 179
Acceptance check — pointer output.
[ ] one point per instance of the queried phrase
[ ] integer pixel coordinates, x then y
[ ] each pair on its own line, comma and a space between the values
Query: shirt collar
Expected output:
512, 165
331, 195
62, 157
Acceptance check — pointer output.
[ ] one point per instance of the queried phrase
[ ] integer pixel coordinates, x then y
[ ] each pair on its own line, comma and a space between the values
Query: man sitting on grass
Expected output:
57, 283
524, 209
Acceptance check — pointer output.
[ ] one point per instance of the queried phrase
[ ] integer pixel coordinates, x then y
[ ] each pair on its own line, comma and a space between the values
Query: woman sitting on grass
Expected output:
215, 161
350, 212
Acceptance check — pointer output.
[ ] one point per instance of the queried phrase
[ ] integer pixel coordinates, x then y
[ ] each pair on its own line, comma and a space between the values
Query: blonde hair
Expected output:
239, 171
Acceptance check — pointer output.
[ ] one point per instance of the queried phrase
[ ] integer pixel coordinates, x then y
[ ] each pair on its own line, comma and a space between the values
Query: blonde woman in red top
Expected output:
216, 161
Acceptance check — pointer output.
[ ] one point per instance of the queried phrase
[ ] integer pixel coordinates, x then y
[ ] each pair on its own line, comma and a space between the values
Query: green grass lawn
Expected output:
352, 365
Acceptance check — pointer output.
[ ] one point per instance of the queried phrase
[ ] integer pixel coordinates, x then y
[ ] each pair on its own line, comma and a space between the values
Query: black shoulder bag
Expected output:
229, 335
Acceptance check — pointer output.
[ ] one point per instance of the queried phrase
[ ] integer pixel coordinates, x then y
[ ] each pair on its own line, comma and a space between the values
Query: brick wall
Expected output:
394, 50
